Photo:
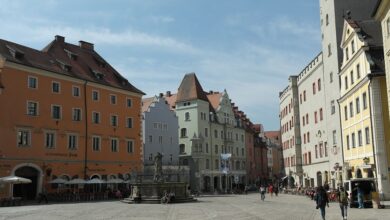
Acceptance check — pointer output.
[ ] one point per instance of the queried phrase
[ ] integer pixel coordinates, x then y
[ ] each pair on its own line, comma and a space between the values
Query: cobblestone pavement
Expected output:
224, 207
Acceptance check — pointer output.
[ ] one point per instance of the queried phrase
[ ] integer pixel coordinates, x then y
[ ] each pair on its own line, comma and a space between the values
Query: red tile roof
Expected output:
272, 134
146, 102
81, 62
171, 99
190, 89
214, 99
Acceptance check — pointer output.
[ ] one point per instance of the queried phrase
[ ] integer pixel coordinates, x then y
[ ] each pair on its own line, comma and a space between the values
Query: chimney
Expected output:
168, 94
211, 92
59, 38
86, 45
161, 95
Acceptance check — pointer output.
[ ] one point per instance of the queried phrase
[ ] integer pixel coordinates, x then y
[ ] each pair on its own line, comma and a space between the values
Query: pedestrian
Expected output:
342, 197
262, 192
321, 200
360, 194
270, 189
276, 190
246, 189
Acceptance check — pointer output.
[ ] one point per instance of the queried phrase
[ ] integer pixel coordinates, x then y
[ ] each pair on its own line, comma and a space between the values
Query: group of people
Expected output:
271, 190
322, 201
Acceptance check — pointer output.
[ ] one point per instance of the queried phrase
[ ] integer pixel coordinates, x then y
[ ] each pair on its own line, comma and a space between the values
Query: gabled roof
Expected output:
146, 102
214, 99
190, 89
369, 31
81, 62
272, 134
171, 99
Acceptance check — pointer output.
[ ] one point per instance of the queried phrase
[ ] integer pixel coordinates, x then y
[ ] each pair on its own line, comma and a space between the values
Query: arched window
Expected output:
183, 132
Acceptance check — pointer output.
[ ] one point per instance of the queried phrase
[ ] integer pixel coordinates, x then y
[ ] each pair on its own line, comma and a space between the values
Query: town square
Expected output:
184, 109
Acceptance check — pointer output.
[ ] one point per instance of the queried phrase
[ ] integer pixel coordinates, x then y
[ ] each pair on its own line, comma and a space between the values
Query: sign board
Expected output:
236, 179
365, 166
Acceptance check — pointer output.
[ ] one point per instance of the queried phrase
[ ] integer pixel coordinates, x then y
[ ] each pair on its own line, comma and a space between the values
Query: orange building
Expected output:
65, 113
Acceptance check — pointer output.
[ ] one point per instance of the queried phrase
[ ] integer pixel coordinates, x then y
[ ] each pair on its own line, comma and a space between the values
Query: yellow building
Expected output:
363, 102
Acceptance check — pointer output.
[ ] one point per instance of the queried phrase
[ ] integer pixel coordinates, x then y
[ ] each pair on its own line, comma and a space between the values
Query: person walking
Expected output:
360, 196
276, 190
262, 192
270, 189
321, 200
342, 197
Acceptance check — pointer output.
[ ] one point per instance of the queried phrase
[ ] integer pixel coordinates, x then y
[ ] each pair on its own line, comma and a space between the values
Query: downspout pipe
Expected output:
86, 131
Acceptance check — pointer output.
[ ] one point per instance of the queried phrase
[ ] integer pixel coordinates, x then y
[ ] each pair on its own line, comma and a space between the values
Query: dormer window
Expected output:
100, 62
71, 55
64, 66
98, 74
17, 54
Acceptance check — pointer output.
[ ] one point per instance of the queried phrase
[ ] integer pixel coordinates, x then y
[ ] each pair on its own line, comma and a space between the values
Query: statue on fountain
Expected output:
158, 174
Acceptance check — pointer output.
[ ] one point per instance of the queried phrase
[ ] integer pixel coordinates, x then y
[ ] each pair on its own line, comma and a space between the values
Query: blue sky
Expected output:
248, 47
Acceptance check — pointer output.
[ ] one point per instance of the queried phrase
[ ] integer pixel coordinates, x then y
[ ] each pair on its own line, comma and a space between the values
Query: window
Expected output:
314, 88
96, 117
321, 150
319, 84
308, 137
216, 164
150, 138
321, 114
307, 119
182, 148
24, 138
32, 82
130, 146
50, 140
352, 78
346, 82
367, 131
315, 117
304, 138
309, 157
76, 114
345, 112
329, 50
129, 122
187, 116
32, 108
160, 139
114, 144
206, 132
353, 140
300, 98
353, 46
350, 109
96, 143
72, 142
347, 139
346, 53
95, 95
183, 132
364, 101
207, 164
113, 99
331, 77
360, 138
303, 120
334, 137
114, 120
55, 87
304, 96
327, 19
129, 102
76, 91
207, 147
56, 112
216, 149
388, 26
357, 105
357, 71
332, 107
326, 149
316, 149
215, 133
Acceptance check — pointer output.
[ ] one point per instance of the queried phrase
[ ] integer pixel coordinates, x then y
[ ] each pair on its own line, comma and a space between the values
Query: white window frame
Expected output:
76, 140
28, 131
54, 139
36, 82
116, 141
36, 109
93, 117
73, 91
73, 114
130, 148
116, 120
52, 87
95, 137
98, 95
52, 112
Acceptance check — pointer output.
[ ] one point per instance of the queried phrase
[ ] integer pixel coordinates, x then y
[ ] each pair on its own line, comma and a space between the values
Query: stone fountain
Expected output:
153, 191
